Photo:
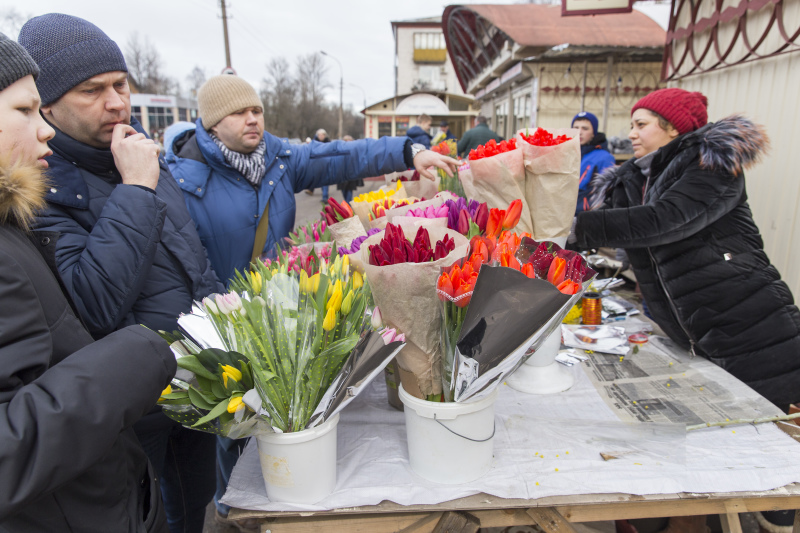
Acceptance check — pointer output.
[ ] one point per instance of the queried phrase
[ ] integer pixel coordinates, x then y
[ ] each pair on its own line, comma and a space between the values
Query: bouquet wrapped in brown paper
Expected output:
496, 175
437, 200
346, 231
380, 209
362, 204
552, 162
405, 292
422, 188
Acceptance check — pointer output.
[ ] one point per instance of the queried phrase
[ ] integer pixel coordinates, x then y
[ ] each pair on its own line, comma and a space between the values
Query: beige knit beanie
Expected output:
222, 95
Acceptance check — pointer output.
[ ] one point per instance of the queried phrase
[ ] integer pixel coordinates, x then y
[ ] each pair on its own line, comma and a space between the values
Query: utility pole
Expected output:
341, 91
225, 33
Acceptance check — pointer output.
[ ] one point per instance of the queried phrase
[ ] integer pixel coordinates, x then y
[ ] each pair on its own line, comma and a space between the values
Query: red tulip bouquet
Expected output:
552, 174
343, 225
496, 176
402, 264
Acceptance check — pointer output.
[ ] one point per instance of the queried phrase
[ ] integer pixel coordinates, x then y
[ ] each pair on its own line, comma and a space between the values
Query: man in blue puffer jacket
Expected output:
595, 157
230, 170
127, 251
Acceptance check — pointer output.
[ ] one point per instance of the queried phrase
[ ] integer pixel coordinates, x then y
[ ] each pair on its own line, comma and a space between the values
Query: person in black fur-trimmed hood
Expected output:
680, 211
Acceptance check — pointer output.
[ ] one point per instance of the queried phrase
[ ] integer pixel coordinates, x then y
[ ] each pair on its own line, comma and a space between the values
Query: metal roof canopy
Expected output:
483, 40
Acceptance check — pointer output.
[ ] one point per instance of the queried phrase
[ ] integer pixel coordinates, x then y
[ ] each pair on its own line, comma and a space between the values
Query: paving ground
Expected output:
310, 205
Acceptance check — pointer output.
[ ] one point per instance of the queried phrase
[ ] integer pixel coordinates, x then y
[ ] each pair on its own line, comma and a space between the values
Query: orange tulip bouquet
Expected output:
498, 305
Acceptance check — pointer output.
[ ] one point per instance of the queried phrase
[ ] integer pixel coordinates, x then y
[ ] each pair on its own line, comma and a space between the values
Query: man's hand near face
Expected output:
135, 156
428, 158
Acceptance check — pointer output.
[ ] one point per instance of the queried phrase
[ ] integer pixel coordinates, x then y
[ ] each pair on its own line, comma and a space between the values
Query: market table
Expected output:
548, 468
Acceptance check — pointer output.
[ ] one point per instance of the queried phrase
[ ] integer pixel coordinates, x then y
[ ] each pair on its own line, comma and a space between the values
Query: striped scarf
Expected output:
252, 166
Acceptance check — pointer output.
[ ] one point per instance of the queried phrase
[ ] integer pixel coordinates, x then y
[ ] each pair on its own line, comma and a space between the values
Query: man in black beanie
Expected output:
128, 251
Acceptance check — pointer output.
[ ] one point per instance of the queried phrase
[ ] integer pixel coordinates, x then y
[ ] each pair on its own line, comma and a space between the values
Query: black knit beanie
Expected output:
68, 50
15, 62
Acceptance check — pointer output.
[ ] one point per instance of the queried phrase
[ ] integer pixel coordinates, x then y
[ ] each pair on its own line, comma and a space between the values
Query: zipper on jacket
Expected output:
672, 306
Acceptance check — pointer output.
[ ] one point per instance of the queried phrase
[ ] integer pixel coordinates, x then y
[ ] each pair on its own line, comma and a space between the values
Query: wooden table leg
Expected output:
796, 528
457, 522
730, 523
550, 520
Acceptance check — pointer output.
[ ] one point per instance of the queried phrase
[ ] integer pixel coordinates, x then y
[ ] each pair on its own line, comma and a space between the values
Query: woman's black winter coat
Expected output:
698, 255
69, 460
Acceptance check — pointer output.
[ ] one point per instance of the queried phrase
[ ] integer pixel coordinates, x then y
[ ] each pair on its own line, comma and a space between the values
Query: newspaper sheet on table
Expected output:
662, 383
550, 445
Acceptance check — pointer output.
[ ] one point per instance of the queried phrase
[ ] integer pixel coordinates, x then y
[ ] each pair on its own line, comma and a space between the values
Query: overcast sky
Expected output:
189, 32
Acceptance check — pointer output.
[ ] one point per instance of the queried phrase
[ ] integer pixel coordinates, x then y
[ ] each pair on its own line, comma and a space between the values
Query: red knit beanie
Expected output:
684, 110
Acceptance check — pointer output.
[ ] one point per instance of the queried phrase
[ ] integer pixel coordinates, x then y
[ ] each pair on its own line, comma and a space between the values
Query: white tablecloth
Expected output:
541, 449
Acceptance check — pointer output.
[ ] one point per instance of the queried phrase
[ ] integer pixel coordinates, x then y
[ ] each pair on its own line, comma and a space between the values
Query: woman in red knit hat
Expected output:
680, 211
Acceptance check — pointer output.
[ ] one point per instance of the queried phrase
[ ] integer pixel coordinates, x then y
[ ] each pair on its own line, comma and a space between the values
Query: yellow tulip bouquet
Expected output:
286, 349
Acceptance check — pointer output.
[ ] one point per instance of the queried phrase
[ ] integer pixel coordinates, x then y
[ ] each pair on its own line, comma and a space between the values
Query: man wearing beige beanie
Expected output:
234, 174
230, 170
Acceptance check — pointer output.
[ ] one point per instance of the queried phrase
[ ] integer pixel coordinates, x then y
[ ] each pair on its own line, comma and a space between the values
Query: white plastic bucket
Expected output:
299, 467
541, 373
454, 447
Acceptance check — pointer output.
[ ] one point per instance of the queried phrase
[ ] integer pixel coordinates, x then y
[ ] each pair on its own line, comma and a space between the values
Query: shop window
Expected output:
522, 112
401, 126
500, 119
384, 126
160, 118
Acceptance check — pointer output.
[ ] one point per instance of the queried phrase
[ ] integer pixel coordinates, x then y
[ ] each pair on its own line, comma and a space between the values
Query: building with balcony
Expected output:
420, 58
425, 82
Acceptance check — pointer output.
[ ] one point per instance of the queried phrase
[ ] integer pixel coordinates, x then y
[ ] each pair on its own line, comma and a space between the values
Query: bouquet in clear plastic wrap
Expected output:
290, 350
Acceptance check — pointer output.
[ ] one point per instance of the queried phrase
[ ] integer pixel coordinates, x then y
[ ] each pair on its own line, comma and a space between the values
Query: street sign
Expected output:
228, 71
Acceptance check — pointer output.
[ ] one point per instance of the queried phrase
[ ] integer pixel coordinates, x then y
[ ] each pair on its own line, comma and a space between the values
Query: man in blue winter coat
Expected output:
420, 133
233, 174
595, 157
230, 170
127, 250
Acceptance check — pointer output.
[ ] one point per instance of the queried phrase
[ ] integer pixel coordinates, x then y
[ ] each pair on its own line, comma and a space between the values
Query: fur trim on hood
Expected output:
601, 183
731, 144
22, 192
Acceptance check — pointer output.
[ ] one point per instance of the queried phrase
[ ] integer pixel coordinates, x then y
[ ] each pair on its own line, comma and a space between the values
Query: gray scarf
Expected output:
645, 162
252, 166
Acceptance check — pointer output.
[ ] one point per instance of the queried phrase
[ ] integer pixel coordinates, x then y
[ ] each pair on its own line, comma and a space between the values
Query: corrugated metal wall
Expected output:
766, 91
